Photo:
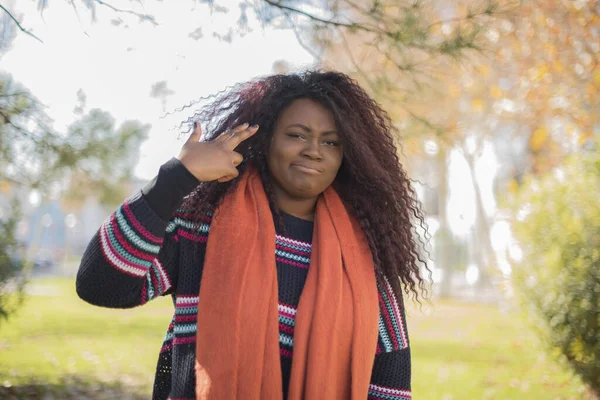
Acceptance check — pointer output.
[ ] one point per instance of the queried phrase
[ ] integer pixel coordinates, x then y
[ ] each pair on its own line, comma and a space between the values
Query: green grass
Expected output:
57, 344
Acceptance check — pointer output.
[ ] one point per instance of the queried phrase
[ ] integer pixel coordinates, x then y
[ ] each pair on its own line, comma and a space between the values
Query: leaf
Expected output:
477, 105
496, 92
538, 138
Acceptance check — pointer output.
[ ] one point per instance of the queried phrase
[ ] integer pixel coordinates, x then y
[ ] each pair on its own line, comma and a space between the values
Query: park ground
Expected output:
58, 347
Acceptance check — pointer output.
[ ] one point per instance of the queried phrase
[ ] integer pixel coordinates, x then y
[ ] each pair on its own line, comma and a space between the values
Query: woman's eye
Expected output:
295, 135
332, 143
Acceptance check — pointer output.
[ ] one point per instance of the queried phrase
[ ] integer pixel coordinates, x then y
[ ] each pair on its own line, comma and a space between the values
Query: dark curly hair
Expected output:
371, 180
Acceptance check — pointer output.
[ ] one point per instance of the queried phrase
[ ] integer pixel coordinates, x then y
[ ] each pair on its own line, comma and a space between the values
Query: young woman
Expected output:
284, 236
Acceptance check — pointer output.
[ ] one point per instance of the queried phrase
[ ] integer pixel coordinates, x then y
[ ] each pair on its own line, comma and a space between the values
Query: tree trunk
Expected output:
442, 259
484, 251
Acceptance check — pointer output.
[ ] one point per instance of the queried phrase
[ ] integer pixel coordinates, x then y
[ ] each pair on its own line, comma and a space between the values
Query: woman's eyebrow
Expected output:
307, 129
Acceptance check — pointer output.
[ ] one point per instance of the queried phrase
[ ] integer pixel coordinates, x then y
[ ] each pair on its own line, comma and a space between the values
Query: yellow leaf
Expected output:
550, 50
484, 70
513, 186
412, 146
477, 105
5, 187
538, 138
596, 76
495, 91
591, 90
454, 90
558, 66
583, 138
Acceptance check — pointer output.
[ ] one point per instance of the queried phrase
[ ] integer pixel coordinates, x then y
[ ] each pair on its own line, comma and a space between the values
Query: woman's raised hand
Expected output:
215, 160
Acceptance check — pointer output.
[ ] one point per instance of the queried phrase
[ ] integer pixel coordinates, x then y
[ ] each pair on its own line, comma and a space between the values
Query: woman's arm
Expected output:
133, 258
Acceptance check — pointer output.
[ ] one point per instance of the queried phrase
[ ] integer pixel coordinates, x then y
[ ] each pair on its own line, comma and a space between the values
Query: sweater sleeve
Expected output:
133, 258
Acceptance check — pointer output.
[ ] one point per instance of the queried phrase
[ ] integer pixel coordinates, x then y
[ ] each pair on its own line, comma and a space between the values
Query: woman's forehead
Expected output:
309, 113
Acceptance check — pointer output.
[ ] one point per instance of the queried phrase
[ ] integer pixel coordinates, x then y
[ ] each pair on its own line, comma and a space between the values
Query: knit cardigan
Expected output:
149, 247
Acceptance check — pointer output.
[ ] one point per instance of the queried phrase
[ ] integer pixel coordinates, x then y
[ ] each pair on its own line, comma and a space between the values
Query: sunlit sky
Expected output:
116, 67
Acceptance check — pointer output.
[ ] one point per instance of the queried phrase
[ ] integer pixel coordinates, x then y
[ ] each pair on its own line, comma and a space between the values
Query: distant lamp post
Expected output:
70, 222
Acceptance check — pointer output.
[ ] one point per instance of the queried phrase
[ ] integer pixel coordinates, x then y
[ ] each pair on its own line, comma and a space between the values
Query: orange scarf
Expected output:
335, 334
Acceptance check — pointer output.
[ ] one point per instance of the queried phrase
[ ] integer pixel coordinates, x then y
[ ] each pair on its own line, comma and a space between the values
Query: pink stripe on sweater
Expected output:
189, 236
290, 262
126, 244
184, 340
286, 328
290, 250
285, 352
396, 308
287, 314
388, 322
116, 255
186, 318
139, 226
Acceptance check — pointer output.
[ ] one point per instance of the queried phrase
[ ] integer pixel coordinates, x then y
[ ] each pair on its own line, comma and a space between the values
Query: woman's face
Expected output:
306, 150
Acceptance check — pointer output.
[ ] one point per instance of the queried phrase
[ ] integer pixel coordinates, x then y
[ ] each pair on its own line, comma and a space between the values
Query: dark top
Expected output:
149, 248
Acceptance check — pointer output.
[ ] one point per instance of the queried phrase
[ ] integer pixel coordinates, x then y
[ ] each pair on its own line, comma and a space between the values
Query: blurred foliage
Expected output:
92, 158
534, 71
419, 41
35, 155
10, 265
557, 222
397, 41
531, 90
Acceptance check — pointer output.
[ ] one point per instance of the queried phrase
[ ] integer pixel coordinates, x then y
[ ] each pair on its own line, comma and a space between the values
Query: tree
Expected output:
557, 221
92, 158
534, 97
399, 31
530, 93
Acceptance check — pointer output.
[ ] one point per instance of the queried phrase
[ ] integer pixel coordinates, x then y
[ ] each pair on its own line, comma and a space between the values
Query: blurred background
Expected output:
498, 111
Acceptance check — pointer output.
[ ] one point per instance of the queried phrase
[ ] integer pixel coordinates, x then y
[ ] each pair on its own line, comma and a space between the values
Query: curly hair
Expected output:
371, 180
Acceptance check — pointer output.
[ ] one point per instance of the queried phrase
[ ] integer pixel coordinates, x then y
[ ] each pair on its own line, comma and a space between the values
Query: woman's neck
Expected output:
300, 208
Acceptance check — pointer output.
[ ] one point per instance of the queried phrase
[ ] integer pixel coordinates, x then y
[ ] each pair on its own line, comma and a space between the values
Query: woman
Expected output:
296, 291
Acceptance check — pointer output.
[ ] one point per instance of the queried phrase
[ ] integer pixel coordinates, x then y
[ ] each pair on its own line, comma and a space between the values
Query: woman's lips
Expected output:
306, 169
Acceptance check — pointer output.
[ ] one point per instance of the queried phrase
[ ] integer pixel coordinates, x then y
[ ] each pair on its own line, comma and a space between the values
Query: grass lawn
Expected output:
58, 347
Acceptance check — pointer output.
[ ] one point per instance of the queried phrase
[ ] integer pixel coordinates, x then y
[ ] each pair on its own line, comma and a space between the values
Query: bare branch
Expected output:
359, 70
299, 37
77, 14
421, 119
145, 17
321, 20
19, 25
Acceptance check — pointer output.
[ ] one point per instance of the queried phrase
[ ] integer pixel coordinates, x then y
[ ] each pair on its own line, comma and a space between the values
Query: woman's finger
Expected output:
196, 133
237, 137
234, 174
227, 134
236, 159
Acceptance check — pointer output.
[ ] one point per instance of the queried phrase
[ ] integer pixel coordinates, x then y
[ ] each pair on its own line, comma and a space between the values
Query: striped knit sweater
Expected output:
149, 248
